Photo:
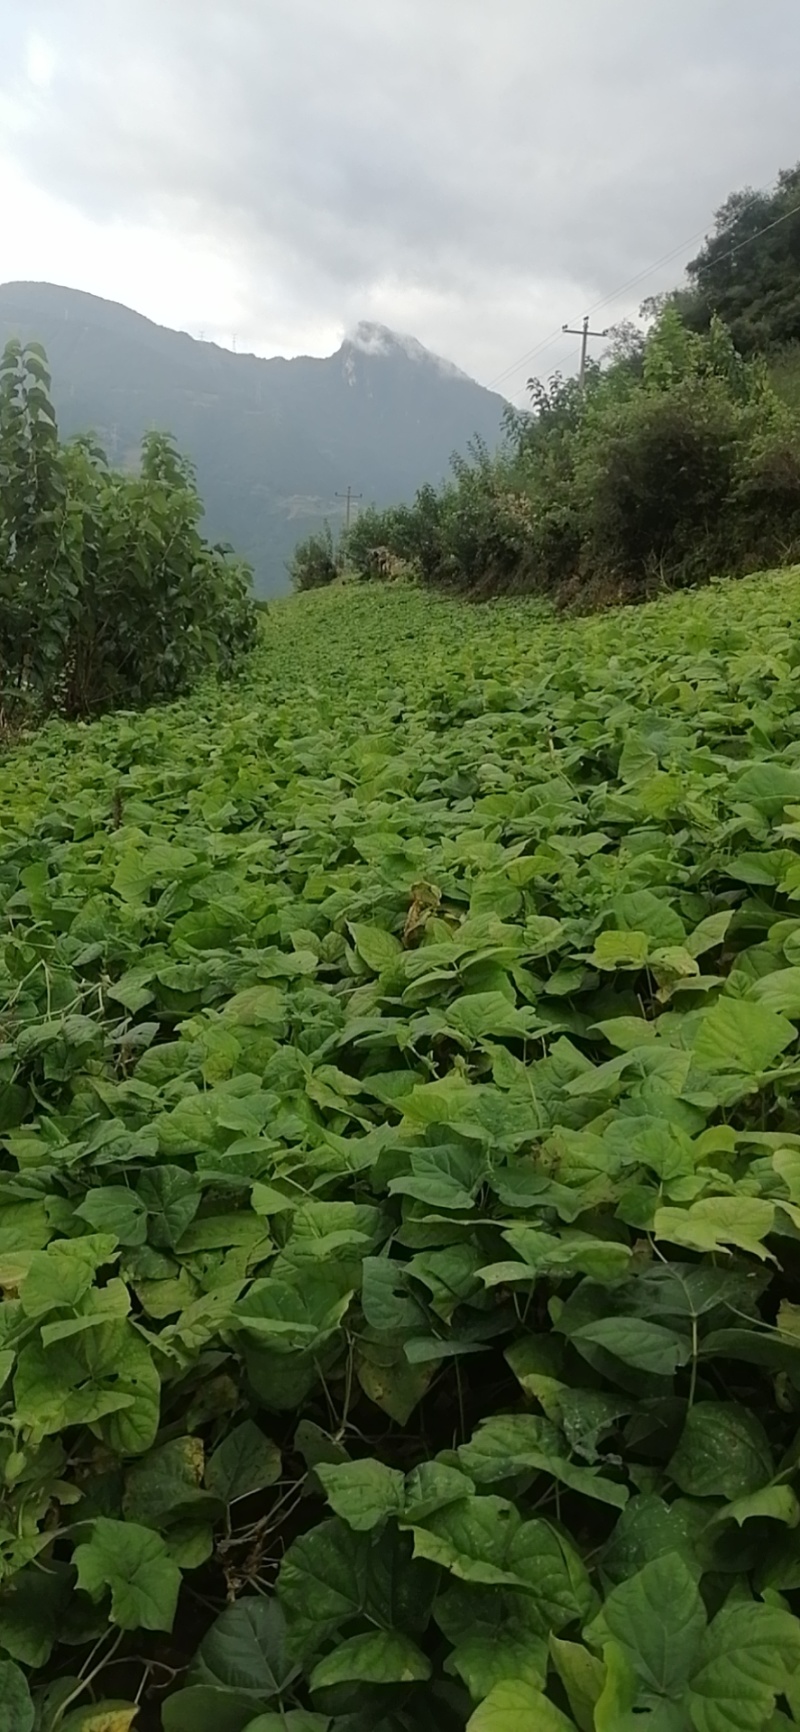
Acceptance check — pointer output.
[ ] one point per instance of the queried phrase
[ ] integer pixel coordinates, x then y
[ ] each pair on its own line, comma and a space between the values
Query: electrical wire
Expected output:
666, 258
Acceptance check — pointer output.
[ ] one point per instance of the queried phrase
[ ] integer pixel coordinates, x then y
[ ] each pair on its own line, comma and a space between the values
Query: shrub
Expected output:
696, 470
675, 462
314, 562
653, 491
109, 594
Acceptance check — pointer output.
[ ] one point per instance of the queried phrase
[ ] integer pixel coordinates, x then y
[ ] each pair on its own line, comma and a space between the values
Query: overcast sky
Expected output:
472, 171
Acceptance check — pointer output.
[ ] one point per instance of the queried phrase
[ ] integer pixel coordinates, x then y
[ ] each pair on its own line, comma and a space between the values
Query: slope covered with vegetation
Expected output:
679, 460
401, 1182
746, 272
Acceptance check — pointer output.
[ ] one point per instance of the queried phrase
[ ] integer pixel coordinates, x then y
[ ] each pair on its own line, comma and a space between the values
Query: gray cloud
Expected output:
474, 170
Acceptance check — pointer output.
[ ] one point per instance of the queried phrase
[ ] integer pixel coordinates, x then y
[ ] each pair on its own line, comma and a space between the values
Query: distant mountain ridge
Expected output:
274, 441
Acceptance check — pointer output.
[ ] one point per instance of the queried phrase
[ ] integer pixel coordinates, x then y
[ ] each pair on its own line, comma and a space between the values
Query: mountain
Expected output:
274, 441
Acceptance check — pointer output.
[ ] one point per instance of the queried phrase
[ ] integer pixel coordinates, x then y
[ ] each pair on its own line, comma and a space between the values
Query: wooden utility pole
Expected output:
584, 333
349, 496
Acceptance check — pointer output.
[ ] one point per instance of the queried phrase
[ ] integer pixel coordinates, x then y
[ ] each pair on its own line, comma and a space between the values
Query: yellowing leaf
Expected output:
101, 1717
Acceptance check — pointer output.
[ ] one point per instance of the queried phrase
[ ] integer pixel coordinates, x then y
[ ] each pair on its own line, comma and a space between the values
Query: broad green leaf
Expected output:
620, 950
331, 1576
471, 1539
658, 1619
779, 991
450, 1101
244, 1462
61, 1275
774, 1503
737, 1036
390, 1381
496, 1633
626, 1033
133, 1562
32, 1612
514, 1706
749, 1653
101, 1305
292, 1720
208, 1708
115, 1209
104, 1377
246, 1650
612, 1712
132, 881
171, 1198
24, 1227
386, 1299
445, 1178
379, 949
363, 1493
717, 1223
430, 1487
709, 933
483, 1014
583, 1678
769, 786
723, 1452
485, 1657
649, 1528
165, 1486
290, 1315
381, 1657
518, 1443
256, 1007
16, 1707
645, 1346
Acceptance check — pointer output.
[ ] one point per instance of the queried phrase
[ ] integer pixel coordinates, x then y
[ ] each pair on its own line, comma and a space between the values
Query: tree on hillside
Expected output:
748, 270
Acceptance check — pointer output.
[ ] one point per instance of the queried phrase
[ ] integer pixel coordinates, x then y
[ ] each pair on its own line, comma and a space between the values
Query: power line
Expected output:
524, 359
666, 258
748, 241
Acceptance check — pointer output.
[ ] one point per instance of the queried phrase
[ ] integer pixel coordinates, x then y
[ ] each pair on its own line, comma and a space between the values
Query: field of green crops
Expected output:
400, 1182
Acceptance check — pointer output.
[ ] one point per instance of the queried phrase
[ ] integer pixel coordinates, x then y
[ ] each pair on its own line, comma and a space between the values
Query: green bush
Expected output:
375, 538
677, 461
695, 470
654, 489
109, 594
314, 562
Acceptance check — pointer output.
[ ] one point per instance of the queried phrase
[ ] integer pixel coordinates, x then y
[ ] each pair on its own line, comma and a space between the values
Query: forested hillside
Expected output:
678, 457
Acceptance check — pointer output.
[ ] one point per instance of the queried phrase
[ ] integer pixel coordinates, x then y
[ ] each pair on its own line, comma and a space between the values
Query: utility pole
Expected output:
584, 333
349, 496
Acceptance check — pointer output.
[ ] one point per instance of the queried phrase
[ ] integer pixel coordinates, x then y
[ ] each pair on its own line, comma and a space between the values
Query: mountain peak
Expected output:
370, 338
276, 443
